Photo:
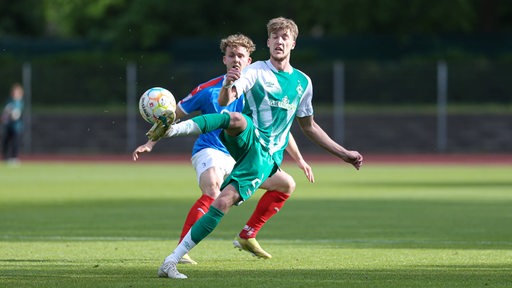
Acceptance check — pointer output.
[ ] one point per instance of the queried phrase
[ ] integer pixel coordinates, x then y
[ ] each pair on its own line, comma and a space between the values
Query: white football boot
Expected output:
169, 270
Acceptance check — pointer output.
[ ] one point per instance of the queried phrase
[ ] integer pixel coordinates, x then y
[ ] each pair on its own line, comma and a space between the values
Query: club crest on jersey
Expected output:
300, 90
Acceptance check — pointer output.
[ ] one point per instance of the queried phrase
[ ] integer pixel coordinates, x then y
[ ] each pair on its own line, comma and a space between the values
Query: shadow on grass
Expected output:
419, 276
364, 222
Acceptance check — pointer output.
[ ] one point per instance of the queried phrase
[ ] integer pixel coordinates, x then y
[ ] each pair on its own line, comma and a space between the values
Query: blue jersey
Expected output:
204, 99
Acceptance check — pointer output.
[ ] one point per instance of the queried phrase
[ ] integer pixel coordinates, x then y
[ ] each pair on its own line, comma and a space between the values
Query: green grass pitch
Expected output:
112, 224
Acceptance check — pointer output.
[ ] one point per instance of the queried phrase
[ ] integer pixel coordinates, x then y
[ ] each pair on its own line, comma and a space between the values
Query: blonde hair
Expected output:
281, 23
237, 40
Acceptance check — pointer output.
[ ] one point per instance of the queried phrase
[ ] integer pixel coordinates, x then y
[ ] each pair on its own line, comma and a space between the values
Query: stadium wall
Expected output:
107, 134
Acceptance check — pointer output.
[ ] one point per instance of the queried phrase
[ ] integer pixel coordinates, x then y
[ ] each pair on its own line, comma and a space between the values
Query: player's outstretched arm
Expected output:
294, 152
318, 135
143, 148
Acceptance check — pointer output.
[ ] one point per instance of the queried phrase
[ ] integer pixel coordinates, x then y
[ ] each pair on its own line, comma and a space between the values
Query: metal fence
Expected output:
337, 85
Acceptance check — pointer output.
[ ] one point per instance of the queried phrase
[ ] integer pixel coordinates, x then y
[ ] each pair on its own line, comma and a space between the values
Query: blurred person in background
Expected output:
211, 159
12, 124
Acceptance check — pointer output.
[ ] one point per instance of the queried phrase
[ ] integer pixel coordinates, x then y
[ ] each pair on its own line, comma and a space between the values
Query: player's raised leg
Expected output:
194, 126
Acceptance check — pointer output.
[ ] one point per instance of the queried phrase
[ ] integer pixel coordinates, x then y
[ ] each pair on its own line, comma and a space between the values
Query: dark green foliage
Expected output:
143, 24
22, 18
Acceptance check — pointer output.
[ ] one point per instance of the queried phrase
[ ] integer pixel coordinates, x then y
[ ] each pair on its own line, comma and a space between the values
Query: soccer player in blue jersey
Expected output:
211, 159
275, 94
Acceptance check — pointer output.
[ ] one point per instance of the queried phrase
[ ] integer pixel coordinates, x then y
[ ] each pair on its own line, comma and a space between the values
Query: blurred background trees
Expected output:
177, 40
88, 37
150, 24
87, 55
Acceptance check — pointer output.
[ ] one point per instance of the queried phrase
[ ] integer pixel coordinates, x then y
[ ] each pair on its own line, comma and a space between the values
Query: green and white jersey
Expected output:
273, 99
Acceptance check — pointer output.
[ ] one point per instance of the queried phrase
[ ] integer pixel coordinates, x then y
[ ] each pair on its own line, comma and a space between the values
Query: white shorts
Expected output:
210, 157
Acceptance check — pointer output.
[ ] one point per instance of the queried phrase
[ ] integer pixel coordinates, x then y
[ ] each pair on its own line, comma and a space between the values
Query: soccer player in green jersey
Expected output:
275, 93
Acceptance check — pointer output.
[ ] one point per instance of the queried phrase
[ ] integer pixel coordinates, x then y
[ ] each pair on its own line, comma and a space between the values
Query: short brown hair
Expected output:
237, 40
281, 23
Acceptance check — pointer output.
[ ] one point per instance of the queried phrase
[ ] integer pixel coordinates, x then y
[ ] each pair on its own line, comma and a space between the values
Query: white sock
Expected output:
185, 245
187, 127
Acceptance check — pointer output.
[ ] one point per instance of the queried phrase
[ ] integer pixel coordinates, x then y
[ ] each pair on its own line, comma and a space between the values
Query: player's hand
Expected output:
232, 75
143, 148
161, 125
354, 158
307, 170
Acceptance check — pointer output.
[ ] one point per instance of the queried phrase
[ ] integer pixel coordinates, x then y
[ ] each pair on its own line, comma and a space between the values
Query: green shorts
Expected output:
254, 164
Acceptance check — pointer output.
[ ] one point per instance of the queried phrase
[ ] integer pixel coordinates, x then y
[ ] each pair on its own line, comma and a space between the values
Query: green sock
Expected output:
205, 225
211, 122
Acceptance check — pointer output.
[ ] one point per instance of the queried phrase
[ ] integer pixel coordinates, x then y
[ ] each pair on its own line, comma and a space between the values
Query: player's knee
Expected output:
211, 188
209, 183
288, 186
228, 197
291, 185
223, 204
237, 124
235, 116
211, 191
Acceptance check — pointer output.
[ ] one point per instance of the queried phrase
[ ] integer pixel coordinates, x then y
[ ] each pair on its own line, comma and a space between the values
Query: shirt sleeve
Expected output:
193, 102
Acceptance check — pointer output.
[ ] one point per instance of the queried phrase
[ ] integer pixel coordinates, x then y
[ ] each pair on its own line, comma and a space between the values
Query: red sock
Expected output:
270, 203
197, 211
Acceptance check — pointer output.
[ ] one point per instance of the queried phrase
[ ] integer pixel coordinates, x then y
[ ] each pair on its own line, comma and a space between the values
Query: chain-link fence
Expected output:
376, 106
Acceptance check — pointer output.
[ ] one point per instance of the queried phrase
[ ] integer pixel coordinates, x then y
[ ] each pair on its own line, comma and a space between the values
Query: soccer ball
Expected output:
155, 101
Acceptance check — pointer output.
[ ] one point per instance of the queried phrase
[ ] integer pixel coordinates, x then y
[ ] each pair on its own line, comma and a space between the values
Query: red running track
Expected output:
475, 159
